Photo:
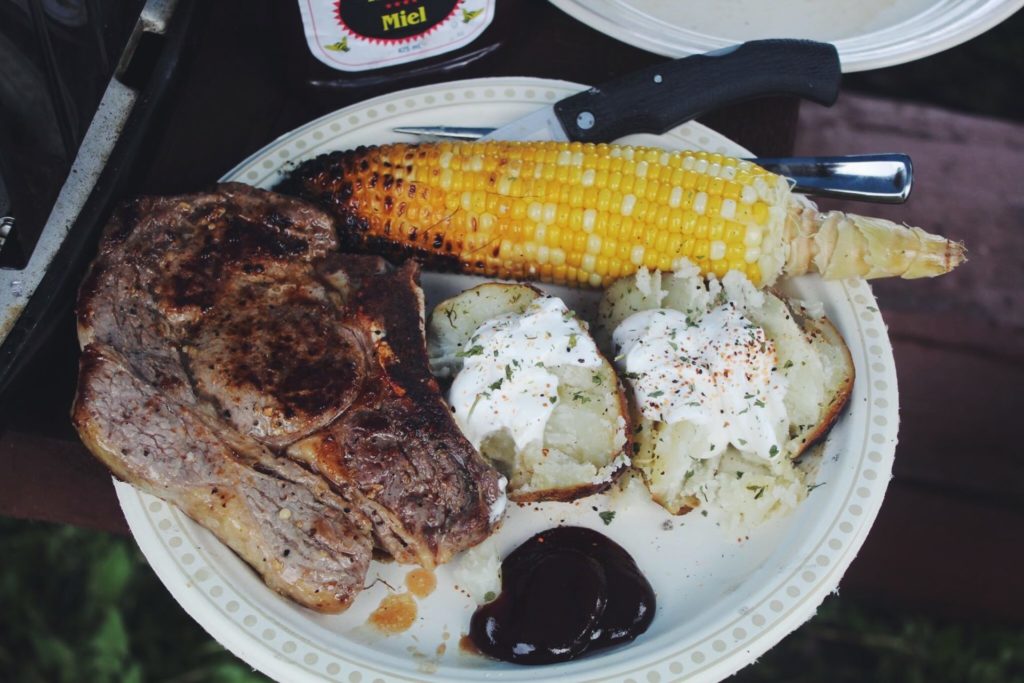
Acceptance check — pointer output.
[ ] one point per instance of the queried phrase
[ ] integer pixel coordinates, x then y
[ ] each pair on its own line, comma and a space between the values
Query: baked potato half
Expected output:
584, 441
816, 372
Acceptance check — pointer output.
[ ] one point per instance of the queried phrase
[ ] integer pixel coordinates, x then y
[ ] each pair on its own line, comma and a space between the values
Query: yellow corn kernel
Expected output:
569, 212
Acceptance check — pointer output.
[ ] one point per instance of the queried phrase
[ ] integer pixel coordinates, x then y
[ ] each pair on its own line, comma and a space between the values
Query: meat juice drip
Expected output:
565, 592
421, 582
395, 614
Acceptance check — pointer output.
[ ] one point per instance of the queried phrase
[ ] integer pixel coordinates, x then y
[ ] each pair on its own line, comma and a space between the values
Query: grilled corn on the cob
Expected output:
588, 214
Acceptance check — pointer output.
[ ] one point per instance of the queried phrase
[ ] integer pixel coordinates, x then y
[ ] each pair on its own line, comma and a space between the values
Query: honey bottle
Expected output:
353, 49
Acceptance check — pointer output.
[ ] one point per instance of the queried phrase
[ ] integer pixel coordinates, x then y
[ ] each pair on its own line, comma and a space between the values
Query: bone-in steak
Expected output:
277, 391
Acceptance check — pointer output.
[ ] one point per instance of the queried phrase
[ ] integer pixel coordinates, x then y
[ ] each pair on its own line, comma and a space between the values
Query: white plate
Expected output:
869, 34
721, 601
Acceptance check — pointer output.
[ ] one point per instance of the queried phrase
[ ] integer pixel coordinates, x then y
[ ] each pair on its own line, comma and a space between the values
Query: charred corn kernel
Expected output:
587, 214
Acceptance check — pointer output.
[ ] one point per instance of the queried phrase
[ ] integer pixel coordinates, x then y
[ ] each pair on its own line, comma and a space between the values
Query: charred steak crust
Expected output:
387, 447
225, 334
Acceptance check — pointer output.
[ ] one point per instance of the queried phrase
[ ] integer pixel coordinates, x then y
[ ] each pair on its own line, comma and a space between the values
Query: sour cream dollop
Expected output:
506, 382
719, 373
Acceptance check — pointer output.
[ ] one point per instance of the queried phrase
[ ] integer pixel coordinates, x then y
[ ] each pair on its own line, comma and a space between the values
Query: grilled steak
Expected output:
275, 390
304, 544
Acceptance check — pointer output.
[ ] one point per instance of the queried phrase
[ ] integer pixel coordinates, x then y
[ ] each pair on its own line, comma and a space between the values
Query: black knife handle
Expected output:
663, 96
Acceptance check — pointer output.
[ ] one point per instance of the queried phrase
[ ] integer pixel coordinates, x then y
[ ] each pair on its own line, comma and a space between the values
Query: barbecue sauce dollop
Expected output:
565, 592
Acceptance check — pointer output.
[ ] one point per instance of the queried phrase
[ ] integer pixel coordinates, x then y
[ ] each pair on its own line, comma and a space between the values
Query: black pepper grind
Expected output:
566, 592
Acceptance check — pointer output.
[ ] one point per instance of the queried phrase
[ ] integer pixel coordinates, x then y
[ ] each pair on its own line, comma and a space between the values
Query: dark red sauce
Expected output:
565, 592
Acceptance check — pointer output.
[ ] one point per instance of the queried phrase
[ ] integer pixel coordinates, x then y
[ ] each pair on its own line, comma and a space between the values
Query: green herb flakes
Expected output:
475, 350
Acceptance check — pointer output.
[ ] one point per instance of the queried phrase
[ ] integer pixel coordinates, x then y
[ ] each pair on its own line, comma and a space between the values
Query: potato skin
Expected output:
484, 302
812, 355
570, 493
826, 329
565, 494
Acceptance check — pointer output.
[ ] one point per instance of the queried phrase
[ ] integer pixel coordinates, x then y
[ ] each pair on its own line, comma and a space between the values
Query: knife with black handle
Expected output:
665, 95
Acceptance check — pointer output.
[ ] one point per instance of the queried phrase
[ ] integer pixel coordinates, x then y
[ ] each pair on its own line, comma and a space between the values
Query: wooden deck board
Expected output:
950, 534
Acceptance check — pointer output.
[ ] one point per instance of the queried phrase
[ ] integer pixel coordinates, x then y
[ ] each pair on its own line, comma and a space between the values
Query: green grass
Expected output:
79, 606
850, 643
84, 607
